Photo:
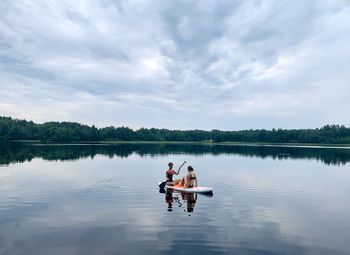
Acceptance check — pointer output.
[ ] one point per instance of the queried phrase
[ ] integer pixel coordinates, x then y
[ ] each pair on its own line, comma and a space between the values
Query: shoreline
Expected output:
254, 144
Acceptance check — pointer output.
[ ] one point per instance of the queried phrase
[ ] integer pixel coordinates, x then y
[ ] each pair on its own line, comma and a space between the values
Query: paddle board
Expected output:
191, 190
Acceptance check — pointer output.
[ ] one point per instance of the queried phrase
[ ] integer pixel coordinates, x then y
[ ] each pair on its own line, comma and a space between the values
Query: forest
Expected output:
15, 129
20, 152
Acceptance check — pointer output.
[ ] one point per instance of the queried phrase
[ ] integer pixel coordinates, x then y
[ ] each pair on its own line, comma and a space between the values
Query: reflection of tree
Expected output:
20, 152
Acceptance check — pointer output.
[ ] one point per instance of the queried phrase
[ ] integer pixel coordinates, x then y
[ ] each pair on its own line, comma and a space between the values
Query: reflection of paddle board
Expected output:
191, 190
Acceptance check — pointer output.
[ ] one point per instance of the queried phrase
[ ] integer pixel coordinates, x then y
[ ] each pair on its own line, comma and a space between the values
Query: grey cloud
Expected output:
193, 25
241, 62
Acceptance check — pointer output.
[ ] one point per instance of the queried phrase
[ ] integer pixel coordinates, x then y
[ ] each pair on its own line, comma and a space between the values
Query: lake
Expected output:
104, 199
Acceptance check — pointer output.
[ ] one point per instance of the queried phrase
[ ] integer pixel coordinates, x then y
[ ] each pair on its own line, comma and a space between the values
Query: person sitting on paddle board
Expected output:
169, 175
188, 181
170, 172
190, 178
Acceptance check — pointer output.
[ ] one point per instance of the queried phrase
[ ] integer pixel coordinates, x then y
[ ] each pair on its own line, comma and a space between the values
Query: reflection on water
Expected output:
21, 152
181, 199
106, 201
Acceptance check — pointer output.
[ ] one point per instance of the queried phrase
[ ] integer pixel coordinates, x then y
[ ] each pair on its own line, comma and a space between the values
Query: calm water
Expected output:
101, 199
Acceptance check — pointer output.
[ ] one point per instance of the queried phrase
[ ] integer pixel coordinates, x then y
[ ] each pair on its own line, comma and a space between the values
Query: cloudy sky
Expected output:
227, 65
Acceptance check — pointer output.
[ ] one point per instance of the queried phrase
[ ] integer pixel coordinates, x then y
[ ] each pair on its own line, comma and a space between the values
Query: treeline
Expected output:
14, 129
21, 152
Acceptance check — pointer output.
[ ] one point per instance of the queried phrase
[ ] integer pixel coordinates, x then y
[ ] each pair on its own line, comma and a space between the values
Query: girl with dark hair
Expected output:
188, 181
170, 172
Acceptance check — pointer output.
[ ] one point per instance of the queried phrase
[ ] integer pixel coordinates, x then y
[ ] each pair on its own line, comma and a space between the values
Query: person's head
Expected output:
190, 168
170, 164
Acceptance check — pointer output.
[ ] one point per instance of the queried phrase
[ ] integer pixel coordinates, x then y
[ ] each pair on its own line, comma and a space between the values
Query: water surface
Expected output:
103, 199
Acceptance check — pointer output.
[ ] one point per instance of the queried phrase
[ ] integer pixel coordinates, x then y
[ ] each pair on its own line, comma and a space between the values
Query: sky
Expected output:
228, 65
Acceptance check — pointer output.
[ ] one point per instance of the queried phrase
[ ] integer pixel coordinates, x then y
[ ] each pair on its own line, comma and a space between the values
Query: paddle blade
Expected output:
162, 185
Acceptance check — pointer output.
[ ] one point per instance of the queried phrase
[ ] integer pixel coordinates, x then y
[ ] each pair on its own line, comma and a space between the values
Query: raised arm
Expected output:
178, 171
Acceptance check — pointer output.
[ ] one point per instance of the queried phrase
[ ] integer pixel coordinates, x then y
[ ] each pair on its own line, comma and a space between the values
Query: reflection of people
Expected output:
169, 199
188, 181
191, 199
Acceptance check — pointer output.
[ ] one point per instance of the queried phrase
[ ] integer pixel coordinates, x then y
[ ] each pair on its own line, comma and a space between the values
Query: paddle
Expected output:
162, 184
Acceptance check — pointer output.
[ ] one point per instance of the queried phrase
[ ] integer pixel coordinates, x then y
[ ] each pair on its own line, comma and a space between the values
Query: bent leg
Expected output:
176, 182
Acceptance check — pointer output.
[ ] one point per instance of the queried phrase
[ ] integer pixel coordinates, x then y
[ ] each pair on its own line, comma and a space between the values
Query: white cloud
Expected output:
157, 64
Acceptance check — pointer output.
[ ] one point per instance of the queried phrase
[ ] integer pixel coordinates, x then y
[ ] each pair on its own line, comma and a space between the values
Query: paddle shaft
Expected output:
178, 171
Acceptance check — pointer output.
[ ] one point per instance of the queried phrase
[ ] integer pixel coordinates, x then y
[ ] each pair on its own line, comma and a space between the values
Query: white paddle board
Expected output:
191, 190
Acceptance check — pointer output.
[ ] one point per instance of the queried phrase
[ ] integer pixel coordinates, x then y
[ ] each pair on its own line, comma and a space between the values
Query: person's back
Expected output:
191, 178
